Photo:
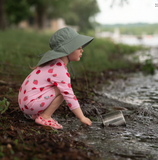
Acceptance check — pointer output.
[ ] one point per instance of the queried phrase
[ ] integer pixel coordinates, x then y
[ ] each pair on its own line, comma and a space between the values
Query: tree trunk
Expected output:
2, 14
40, 10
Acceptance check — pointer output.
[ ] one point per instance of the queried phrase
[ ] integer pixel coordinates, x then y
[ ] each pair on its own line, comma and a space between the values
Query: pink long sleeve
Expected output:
41, 81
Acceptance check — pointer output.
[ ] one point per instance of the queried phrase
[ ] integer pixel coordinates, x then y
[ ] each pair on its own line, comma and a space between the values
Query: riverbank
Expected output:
21, 137
20, 49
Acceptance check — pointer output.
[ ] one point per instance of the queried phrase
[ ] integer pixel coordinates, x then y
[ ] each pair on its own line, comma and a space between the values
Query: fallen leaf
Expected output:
119, 108
12, 128
27, 148
9, 146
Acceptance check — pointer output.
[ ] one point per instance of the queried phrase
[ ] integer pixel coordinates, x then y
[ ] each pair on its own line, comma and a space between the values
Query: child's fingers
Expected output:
86, 121
89, 122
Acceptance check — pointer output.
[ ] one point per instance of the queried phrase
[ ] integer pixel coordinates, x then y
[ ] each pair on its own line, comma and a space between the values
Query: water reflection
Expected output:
137, 89
151, 41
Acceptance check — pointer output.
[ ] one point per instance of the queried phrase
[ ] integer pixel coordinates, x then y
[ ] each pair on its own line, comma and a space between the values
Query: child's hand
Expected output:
79, 114
86, 120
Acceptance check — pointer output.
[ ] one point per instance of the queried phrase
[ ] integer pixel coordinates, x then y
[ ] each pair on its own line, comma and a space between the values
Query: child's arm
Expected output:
79, 114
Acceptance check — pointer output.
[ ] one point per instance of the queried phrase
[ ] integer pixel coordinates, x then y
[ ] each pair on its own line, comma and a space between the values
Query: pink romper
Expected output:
37, 91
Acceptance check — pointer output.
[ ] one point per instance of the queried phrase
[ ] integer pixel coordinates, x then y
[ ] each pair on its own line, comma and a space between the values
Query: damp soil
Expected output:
22, 138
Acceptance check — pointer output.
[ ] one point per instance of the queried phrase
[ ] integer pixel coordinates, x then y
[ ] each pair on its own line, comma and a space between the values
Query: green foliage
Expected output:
148, 67
93, 118
125, 49
16, 142
16, 12
4, 104
24, 48
1, 152
23, 51
52, 8
80, 12
75, 13
103, 54
135, 28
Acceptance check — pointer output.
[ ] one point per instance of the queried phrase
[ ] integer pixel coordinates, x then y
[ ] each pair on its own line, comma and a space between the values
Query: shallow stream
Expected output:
138, 94
137, 98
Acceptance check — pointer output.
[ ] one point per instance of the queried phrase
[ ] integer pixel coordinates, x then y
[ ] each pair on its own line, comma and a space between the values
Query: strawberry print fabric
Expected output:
37, 91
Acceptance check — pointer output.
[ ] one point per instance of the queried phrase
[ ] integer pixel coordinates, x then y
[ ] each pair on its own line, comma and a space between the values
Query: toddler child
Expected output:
45, 88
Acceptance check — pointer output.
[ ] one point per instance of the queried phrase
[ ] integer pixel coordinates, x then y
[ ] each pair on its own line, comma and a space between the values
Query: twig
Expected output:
98, 113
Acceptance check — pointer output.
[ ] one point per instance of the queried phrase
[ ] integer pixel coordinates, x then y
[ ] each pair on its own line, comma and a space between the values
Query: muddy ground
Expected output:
21, 138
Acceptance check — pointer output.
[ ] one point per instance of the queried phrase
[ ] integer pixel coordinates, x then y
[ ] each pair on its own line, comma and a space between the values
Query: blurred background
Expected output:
120, 63
120, 27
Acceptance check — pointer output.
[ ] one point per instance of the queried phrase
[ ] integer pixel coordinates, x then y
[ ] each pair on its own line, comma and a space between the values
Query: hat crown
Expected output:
61, 37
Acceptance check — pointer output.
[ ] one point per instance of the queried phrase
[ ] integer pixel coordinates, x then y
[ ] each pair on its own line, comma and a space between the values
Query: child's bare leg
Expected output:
47, 113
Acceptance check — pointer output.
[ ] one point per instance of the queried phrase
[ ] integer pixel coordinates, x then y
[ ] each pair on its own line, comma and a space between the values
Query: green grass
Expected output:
20, 49
103, 54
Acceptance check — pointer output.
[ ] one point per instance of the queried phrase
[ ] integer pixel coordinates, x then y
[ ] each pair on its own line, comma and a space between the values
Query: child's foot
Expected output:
48, 122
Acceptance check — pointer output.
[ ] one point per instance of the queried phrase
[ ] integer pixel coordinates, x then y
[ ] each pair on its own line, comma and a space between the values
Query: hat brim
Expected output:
77, 42
66, 49
50, 55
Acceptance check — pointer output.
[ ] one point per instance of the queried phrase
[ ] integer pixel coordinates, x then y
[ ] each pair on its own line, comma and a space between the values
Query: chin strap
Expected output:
70, 68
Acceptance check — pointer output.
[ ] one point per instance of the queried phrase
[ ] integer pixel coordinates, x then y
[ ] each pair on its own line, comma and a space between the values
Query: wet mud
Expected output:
22, 138
134, 94
137, 98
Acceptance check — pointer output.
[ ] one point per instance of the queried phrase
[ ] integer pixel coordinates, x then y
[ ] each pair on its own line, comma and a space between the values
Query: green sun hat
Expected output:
63, 42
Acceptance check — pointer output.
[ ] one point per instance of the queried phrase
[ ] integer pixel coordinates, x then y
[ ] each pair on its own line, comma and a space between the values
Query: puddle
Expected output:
139, 94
